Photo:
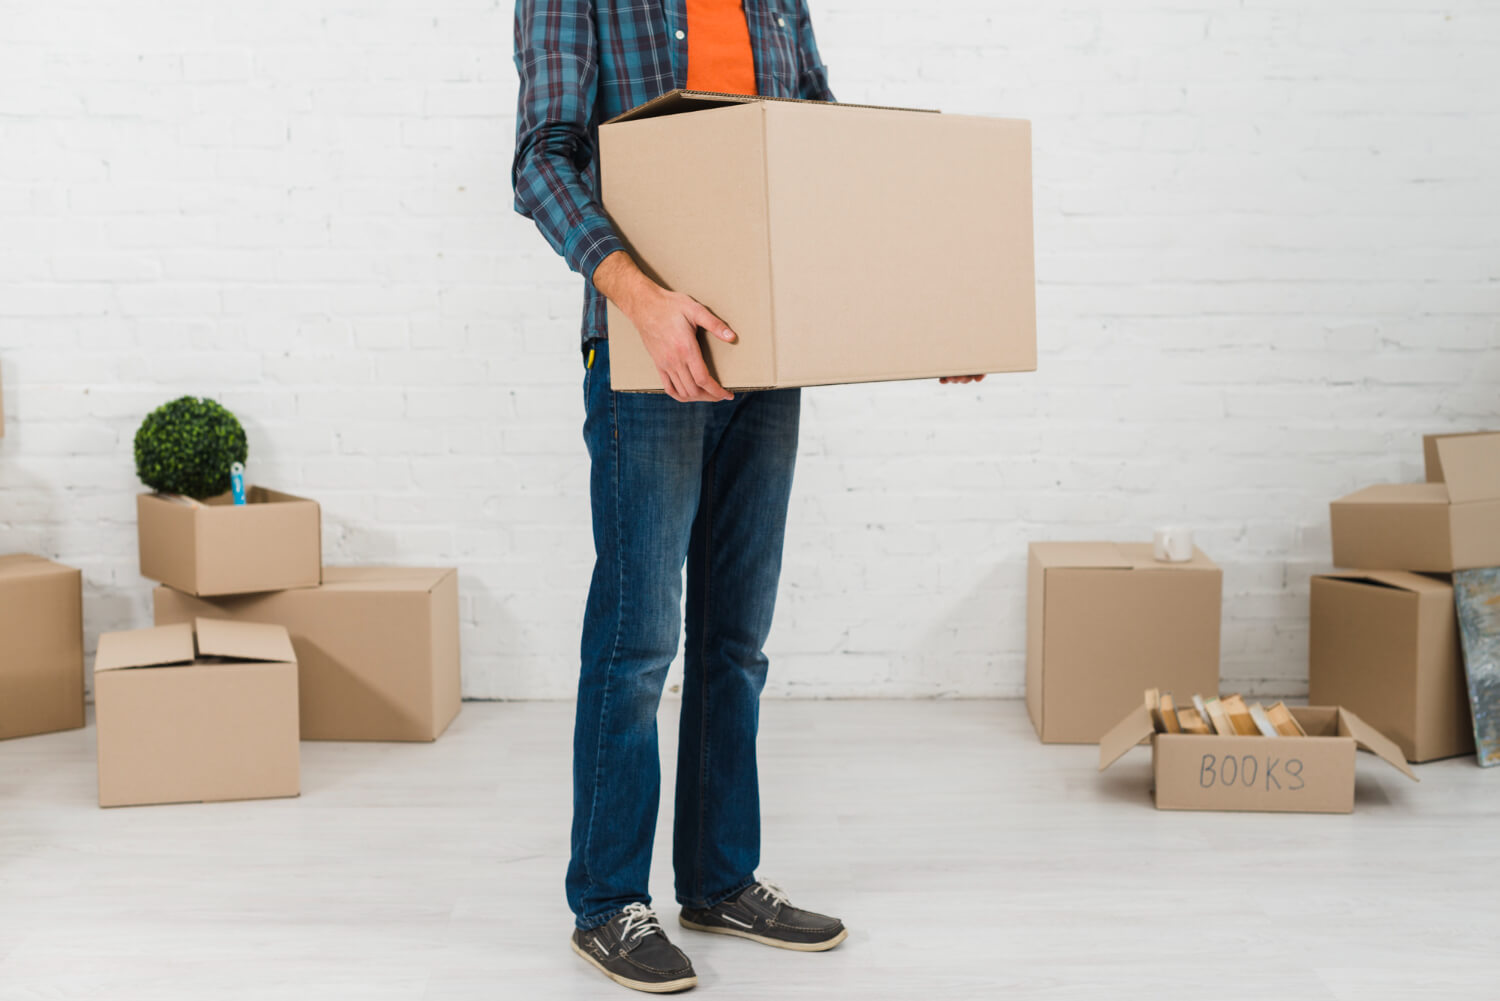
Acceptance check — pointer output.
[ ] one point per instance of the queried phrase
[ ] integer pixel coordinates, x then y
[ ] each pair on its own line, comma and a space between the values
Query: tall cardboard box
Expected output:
1312, 774
273, 541
377, 648
841, 243
187, 722
41, 646
1103, 622
1384, 644
1451, 522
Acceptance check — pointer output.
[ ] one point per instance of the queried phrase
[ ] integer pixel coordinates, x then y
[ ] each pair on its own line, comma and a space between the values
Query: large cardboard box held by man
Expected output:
217, 547
841, 243
196, 713
377, 648
1451, 522
1311, 774
1384, 644
41, 646
1103, 622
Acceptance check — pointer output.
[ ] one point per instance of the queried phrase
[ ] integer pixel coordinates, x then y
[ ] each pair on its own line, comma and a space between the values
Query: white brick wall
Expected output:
1267, 257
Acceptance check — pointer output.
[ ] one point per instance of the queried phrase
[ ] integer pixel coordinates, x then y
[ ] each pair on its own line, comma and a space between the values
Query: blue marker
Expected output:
237, 482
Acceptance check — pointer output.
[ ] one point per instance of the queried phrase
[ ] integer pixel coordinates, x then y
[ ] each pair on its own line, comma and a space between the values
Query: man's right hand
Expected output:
668, 323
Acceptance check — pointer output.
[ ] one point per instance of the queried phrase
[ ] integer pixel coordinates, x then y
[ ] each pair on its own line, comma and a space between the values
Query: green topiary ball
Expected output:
187, 446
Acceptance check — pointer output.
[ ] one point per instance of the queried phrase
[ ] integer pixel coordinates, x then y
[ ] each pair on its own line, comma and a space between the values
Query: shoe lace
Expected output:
639, 922
773, 893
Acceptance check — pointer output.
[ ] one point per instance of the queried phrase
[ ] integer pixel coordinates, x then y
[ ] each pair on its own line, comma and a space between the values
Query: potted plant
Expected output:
186, 447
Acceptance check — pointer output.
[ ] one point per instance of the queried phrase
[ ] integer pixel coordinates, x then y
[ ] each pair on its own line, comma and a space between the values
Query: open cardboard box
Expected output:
272, 542
196, 713
1312, 774
1384, 643
842, 243
377, 647
1451, 522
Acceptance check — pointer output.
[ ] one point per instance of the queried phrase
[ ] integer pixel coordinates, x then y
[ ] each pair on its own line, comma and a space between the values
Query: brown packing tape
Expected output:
1126, 734
1374, 741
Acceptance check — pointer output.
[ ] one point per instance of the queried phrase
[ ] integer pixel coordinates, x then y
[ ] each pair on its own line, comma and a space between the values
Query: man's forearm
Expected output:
622, 281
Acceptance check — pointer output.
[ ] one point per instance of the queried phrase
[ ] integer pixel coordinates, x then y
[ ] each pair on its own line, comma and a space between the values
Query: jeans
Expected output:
706, 484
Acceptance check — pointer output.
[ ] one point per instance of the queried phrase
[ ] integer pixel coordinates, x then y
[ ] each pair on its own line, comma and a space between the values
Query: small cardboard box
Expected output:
841, 243
1103, 621
1384, 644
1312, 774
272, 542
41, 646
377, 648
186, 722
1451, 522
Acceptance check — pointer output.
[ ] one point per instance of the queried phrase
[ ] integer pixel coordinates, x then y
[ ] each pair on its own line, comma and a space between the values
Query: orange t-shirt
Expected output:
718, 42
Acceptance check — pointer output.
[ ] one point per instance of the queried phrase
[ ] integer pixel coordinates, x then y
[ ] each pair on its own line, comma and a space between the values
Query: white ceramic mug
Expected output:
1172, 545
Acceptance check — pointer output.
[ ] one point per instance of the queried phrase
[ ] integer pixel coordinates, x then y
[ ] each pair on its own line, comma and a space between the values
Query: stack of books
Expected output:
1227, 716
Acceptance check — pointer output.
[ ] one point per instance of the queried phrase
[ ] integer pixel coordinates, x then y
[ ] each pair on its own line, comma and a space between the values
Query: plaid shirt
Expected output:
582, 62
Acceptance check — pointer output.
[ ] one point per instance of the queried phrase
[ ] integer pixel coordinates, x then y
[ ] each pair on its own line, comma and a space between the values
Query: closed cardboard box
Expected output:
41, 646
217, 547
1384, 644
377, 648
1312, 774
1451, 522
190, 719
841, 243
1103, 622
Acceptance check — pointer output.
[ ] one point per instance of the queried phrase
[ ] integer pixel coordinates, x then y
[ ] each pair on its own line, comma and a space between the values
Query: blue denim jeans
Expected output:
704, 484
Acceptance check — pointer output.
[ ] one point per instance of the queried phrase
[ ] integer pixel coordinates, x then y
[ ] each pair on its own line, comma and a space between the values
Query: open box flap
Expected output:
1126, 734
1401, 580
1471, 466
678, 101
1377, 743
1431, 461
156, 647
244, 640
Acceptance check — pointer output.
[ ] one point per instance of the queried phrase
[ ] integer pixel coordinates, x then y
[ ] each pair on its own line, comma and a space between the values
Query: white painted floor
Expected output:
968, 860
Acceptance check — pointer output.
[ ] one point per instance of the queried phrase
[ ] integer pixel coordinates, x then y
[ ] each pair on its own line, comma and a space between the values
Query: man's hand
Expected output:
960, 380
668, 323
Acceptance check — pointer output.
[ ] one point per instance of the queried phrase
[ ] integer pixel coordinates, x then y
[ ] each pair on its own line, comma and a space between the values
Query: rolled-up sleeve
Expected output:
553, 171
813, 86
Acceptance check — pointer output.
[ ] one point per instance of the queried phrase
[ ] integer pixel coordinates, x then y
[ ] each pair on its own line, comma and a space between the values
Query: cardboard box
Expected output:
1452, 523
1105, 621
841, 243
1384, 644
1312, 774
273, 542
41, 646
186, 722
377, 648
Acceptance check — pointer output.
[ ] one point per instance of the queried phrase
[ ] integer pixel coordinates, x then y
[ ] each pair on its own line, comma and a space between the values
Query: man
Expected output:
698, 475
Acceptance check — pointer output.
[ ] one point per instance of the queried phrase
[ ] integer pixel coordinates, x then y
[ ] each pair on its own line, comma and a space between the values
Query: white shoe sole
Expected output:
763, 940
668, 987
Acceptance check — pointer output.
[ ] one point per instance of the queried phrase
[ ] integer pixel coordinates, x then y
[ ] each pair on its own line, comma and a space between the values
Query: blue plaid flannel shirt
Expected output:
582, 62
